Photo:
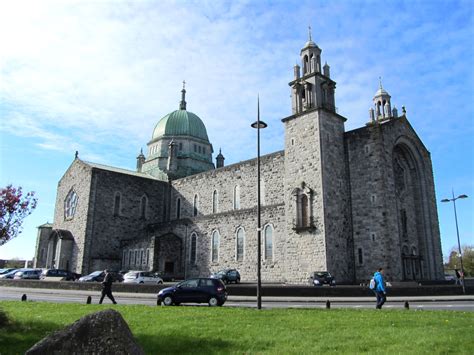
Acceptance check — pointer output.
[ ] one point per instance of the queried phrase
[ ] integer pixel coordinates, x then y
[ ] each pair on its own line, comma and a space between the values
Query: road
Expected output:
453, 303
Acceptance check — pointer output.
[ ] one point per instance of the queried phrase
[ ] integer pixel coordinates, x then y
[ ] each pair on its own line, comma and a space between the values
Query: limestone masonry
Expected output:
343, 202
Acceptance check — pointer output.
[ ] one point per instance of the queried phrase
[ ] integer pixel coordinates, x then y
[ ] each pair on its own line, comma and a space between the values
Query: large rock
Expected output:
104, 332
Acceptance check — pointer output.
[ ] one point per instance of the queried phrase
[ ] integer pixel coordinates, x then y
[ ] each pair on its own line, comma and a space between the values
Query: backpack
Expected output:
372, 284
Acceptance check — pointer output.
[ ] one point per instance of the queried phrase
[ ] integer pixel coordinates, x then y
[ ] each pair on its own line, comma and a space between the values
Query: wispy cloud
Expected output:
97, 76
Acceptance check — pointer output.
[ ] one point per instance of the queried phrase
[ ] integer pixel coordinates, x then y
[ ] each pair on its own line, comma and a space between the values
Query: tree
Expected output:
14, 207
467, 260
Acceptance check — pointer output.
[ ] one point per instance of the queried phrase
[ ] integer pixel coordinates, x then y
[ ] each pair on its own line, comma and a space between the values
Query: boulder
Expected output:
104, 332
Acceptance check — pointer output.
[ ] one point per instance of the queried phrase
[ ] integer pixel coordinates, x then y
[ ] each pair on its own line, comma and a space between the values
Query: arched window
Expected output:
305, 64
130, 257
117, 203
413, 250
195, 205
240, 243
215, 247
148, 256
215, 202
304, 211
193, 254
311, 63
361, 257
405, 250
269, 243
236, 197
70, 204
178, 208
143, 206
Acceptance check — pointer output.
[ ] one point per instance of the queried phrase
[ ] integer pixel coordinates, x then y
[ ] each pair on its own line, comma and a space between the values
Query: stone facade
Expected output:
345, 202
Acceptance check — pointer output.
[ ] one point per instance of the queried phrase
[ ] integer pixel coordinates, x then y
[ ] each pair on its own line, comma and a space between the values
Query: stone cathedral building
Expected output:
345, 202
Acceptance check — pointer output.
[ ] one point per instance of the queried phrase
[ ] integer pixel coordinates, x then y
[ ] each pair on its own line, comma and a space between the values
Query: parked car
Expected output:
27, 274
320, 278
449, 277
142, 277
98, 276
199, 290
59, 274
227, 276
10, 274
6, 271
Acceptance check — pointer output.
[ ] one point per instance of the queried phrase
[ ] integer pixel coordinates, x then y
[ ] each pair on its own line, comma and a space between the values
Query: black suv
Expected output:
227, 276
319, 278
201, 290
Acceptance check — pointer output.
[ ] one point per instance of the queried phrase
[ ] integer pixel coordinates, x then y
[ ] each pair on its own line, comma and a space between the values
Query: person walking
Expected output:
107, 287
379, 290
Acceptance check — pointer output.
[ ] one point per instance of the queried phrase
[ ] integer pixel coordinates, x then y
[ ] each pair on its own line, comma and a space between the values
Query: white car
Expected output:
142, 277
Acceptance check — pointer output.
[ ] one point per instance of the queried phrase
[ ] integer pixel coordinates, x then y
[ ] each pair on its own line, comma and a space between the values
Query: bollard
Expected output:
407, 305
328, 304
23, 298
89, 300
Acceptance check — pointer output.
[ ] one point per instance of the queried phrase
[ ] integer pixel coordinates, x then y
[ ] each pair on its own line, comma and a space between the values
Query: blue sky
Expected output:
96, 76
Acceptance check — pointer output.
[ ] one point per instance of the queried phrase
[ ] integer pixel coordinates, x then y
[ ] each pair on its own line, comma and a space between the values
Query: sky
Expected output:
96, 77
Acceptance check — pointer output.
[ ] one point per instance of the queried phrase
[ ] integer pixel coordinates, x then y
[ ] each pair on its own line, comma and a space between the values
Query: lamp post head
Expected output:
259, 124
462, 196
445, 200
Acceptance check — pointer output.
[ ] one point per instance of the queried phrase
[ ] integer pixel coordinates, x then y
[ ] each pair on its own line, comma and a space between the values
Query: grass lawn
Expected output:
206, 330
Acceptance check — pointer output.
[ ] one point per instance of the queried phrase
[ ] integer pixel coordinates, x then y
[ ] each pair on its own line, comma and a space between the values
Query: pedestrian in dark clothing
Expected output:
107, 287
458, 277
379, 290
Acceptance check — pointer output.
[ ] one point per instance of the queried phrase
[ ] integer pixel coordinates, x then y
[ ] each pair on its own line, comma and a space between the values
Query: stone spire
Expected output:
140, 161
220, 160
182, 104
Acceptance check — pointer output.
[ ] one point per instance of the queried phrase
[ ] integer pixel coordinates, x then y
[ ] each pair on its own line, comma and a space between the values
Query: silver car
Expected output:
142, 277
28, 274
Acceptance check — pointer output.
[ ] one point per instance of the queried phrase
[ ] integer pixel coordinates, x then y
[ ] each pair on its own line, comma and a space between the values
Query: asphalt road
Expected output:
453, 303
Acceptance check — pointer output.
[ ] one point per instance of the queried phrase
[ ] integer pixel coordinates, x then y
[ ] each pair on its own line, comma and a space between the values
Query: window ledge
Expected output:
304, 229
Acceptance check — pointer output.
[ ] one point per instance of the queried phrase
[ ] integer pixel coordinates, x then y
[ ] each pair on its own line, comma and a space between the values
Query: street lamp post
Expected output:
453, 200
259, 125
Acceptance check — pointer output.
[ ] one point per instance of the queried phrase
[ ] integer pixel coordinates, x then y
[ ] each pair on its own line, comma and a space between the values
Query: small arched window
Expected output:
405, 250
195, 205
304, 211
236, 197
305, 64
215, 202
70, 204
269, 243
193, 255
178, 208
117, 203
215, 246
240, 244
143, 207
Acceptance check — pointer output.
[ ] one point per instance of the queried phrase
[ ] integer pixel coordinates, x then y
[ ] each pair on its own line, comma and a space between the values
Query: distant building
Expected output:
345, 202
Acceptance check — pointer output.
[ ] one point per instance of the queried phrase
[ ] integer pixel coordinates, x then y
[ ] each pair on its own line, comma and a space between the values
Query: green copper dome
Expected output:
180, 123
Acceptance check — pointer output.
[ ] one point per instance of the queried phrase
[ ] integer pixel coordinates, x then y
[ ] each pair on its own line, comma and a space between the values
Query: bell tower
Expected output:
316, 179
312, 88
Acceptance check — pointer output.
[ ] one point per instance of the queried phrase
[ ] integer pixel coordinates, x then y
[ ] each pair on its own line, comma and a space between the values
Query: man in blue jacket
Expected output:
380, 288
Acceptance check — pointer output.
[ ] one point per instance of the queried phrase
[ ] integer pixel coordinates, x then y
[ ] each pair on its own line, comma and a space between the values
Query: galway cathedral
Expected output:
341, 201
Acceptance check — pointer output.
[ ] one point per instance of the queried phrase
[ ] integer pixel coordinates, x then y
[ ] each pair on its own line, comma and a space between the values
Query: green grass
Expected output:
180, 330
